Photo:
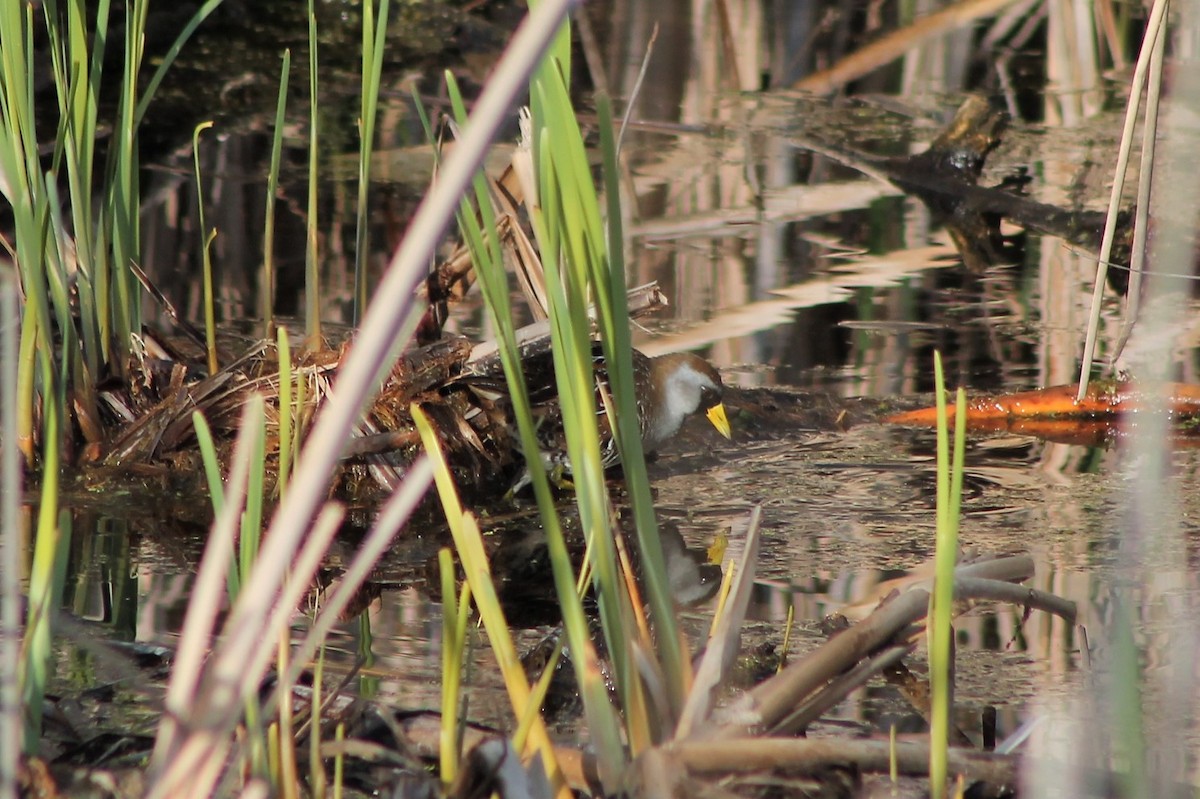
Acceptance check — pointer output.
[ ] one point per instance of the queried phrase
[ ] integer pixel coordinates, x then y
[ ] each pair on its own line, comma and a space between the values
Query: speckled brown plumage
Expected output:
669, 388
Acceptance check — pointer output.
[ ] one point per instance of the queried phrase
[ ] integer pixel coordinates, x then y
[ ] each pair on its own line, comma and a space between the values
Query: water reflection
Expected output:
763, 240
847, 517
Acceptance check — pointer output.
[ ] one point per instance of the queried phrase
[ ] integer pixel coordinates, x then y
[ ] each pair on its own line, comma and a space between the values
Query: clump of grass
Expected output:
580, 247
82, 301
468, 541
189, 759
87, 250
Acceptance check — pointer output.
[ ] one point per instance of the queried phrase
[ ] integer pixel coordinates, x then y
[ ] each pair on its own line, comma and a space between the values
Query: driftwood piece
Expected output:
783, 705
744, 755
769, 704
945, 177
840, 687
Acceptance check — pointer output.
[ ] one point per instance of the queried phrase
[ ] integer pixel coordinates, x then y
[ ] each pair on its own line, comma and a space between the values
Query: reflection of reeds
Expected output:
1146, 750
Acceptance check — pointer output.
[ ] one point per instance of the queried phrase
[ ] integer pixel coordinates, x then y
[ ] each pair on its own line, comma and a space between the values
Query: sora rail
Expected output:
669, 389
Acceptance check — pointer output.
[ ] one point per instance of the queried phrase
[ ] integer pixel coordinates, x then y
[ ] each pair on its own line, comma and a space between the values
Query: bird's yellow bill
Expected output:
716, 415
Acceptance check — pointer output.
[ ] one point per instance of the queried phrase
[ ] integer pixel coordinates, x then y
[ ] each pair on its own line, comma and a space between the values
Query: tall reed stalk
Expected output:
267, 282
11, 535
941, 601
312, 264
373, 37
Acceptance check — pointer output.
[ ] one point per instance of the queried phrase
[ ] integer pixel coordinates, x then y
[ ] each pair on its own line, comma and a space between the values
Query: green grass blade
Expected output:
252, 516
45, 577
949, 498
618, 346
373, 40
453, 643
268, 278
210, 317
124, 191
216, 490
312, 265
212, 464
285, 411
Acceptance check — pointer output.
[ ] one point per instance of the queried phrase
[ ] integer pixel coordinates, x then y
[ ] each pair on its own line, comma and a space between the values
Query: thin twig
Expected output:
637, 86
1155, 28
1137, 261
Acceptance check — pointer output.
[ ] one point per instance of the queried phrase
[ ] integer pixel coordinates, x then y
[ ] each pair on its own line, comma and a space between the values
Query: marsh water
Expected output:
791, 271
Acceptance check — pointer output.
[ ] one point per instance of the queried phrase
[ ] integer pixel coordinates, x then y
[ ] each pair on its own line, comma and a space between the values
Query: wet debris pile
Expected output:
458, 384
